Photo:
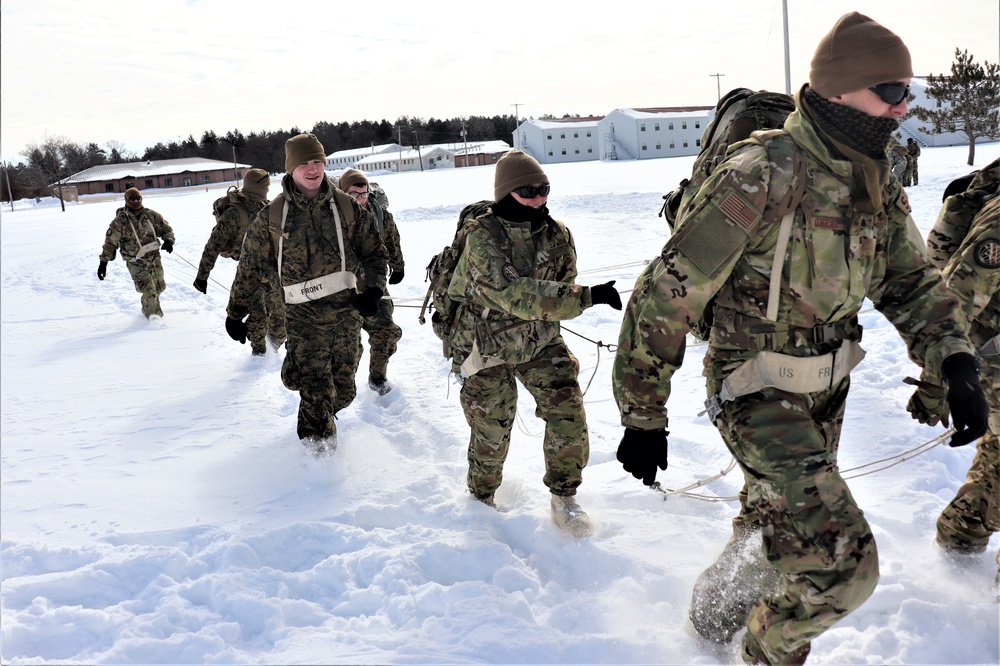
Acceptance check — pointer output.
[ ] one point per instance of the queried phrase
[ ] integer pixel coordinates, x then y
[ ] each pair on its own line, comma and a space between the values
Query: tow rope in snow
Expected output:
883, 464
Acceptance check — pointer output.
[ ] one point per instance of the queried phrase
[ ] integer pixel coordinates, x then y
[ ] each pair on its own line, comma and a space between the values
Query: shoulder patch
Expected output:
904, 202
987, 253
510, 273
738, 210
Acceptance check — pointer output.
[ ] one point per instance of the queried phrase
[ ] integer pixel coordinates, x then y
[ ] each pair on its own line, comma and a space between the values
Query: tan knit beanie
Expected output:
301, 149
256, 183
516, 169
856, 54
132, 192
351, 177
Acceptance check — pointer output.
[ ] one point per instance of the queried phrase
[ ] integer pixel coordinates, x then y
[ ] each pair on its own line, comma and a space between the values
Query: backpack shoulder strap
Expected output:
787, 204
346, 204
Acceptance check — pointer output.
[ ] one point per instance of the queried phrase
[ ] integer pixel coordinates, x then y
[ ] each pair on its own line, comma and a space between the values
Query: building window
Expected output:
206, 178
562, 135
576, 135
670, 126
168, 182
656, 127
563, 151
642, 127
672, 145
590, 150
697, 124
657, 145
550, 153
644, 146
588, 134
684, 125
698, 143
685, 144
149, 183
109, 187
188, 182
237, 175
577, 151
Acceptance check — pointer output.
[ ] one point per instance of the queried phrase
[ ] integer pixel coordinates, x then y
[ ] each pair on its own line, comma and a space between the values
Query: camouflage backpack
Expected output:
378, 194
739, 113
962, 200
442, 267
219, 208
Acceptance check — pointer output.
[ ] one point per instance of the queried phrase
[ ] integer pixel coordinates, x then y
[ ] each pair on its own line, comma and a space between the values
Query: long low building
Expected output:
183, 172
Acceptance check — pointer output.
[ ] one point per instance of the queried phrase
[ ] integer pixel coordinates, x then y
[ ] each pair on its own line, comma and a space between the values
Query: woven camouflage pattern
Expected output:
912, 174
973, 273
840, 252
266, 321
322, 347
524, 312
226, 237
146, 272
383, 332
956, 215
489, 400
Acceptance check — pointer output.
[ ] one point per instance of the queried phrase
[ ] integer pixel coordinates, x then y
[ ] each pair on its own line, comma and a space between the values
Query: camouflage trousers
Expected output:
147, 275
267, 319
383, 334
320, 363
489, 400
813, 532
910, 176
973, 515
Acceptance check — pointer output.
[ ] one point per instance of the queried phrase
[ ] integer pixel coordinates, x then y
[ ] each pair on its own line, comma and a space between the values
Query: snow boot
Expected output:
725, 592
568, 515
378, 384
321, 446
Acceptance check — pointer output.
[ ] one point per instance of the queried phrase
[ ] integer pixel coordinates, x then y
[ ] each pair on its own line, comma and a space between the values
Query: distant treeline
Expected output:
60, 158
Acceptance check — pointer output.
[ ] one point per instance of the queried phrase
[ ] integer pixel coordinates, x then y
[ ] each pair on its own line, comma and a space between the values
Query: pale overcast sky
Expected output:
140, 72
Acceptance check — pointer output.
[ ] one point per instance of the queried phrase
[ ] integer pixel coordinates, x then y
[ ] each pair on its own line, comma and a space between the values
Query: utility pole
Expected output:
10, 192
399, 142
517, 122
465, 138
788, 73
718, 88
420, 159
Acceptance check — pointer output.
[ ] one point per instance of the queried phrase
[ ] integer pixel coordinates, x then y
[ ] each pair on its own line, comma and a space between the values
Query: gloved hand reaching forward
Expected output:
201, 284
367, 301
607, 294
642, 451
237, 330
167, 246
395, 277
969, 409
102, 270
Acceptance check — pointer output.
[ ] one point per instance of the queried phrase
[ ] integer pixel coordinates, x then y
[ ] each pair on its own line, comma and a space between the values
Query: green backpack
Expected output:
444, 310
739, 113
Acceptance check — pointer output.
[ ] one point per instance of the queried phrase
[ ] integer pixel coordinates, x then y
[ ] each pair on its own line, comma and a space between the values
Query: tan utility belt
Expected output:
152, 246
327, 285
794, 374
475, 362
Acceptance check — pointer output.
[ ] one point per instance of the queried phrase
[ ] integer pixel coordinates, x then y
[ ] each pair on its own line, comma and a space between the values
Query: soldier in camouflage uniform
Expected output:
313, 239
383, 332
966, 245
134, 232
233, 215
911, 177
783, 290
515, 280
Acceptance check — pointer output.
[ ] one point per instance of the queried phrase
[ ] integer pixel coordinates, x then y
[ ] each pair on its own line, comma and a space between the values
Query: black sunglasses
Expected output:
530, 191
891, 93
135, 198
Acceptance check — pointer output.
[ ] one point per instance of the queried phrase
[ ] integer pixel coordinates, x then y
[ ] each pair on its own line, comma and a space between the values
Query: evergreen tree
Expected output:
969, 101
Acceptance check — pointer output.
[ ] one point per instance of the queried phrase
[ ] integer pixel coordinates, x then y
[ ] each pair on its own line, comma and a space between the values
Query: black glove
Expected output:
395, 277
237, 330
201, 284
606, 293
642, 451
367, 301
928, 404
167, 246
102, 270
969, 410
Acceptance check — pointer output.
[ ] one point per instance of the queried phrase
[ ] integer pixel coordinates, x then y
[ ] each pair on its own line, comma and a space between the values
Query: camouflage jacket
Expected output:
973, 274
514, 296
957, 212
721, 257
226, 237
131, 230
309, 250
389, 234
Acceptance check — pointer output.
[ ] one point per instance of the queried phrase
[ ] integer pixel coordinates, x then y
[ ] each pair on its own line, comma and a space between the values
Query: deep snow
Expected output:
157, 506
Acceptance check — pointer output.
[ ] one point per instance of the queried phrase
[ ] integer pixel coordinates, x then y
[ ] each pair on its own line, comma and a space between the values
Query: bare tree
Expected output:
969, 101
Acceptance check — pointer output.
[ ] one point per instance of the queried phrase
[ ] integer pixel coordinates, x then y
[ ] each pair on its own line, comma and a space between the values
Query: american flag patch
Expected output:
737, 210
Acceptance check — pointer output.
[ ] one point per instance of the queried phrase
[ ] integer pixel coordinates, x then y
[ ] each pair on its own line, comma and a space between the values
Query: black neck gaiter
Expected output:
509, 209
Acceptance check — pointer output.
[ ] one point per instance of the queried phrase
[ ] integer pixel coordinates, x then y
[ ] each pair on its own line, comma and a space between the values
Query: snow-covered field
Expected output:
157, 506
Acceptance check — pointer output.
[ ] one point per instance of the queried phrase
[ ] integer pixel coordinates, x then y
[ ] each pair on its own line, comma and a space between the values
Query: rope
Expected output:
184, 259
886, 463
